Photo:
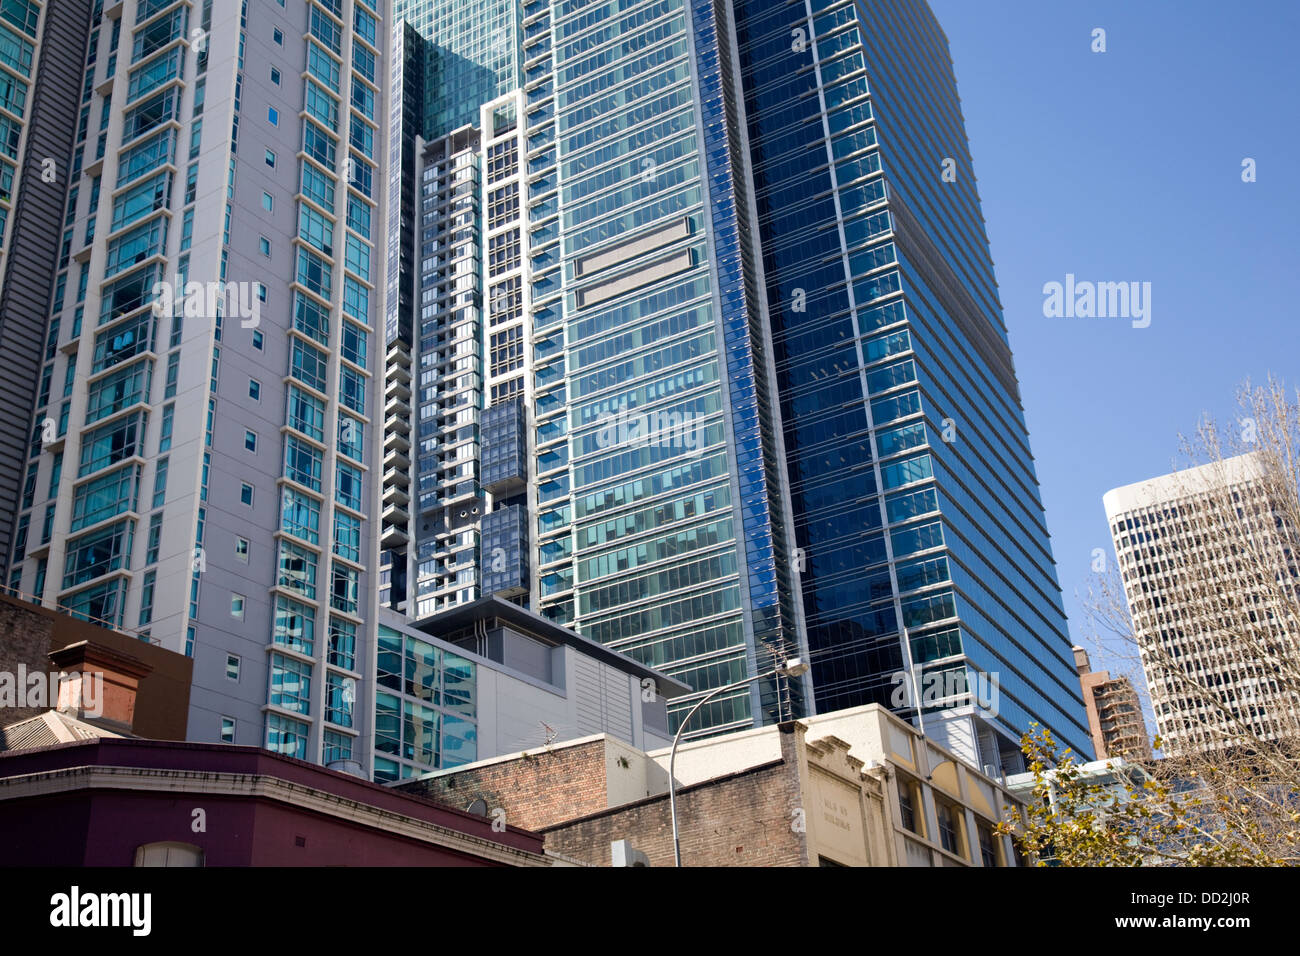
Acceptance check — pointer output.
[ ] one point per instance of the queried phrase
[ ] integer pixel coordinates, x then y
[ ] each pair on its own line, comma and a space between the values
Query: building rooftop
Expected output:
1180, 484
464, 618
49, 729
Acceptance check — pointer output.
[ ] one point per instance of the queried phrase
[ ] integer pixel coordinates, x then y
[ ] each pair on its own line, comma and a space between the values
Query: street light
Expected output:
793, 667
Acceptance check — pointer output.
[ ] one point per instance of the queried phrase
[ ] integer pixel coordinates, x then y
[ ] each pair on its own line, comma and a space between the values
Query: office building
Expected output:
1207, 559
1114, 713
744, 381
42, 48
490, 678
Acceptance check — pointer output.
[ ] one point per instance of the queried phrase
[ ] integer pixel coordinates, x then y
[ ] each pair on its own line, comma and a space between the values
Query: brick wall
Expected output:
744, 819
541, 789
29, 633
24, 639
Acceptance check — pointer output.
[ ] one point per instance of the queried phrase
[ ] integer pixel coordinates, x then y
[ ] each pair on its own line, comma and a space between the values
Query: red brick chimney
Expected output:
100, 684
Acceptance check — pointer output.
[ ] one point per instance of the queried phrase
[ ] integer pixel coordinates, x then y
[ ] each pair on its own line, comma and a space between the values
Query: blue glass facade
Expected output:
654, 529
771, 406
470, 56
426, 707
766, 572
915, 501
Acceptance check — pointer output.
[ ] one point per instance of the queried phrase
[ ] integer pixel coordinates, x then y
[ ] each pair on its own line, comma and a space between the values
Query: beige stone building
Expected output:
1207, 559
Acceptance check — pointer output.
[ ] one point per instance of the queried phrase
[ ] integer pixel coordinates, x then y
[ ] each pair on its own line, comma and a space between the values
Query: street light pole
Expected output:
916, 689
792, 668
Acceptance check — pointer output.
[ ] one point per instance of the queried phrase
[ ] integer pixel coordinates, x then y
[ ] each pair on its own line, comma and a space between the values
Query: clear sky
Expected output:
1127, 166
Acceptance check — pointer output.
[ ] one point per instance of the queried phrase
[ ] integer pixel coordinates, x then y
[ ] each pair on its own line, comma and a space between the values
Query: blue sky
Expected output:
1126, 166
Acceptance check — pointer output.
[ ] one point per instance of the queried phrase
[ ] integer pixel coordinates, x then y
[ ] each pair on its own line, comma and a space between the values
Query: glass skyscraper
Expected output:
469, 55
740, 385
660, 523
909, 468
755, 247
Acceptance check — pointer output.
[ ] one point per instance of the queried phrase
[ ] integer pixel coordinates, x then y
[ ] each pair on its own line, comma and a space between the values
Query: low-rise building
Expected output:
117, 801
80, 786
492, 678
858, 787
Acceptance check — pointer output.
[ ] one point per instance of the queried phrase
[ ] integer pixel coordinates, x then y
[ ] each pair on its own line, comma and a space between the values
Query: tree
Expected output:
1116, 813
1206, 599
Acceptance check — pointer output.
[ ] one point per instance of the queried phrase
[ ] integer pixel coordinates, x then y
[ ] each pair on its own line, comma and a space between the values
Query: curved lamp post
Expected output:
793, 667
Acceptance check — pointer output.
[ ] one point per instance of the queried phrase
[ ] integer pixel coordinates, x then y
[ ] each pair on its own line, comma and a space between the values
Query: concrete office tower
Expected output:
42, 47
1114, 712
1207, 559
775, 409
210, 477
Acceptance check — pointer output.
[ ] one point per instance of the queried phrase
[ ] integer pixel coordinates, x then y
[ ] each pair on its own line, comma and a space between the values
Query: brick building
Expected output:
856, 788
1114, 712
814, 806
31, 636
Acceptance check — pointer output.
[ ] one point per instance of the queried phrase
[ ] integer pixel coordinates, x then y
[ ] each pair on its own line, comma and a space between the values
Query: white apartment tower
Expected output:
205, 457
456, 494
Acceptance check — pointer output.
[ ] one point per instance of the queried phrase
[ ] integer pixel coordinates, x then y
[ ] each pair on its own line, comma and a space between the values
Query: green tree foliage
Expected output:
1159, 813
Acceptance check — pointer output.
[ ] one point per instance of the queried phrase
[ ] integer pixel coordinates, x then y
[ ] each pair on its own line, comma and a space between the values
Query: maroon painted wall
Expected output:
104, 827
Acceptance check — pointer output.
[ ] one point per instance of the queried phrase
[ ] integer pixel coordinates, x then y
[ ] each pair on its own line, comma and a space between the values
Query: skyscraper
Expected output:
470, 55
749, 332
41, 50
661, 527
1207, 560
456, 56
766, 224
208, 481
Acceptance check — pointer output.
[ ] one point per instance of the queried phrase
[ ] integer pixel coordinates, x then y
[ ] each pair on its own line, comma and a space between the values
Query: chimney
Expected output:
99, 684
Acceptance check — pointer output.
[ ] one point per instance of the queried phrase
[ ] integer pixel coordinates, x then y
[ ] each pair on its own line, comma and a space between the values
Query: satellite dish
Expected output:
478, 807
